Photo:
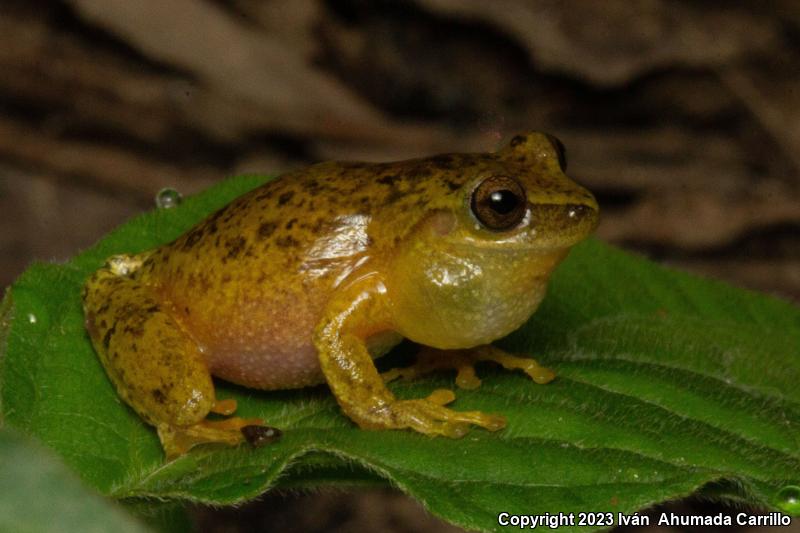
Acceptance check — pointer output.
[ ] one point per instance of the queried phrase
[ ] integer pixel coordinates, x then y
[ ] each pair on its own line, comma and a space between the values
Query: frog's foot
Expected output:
224, 407
431, 359
178, 440
429, 416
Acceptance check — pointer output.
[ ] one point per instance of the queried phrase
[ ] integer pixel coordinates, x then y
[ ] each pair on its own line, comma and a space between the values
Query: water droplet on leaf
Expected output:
789, 499
168, 198
31, 310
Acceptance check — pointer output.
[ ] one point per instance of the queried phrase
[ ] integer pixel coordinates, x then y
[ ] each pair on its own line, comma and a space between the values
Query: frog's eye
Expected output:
561, 152
499, 203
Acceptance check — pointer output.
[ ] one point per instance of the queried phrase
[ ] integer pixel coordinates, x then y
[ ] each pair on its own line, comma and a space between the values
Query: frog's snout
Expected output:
563, 225
582, 218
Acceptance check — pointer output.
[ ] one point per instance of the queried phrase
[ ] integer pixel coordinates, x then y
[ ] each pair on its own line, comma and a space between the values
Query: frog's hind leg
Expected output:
153, 363
179, 439
431, 359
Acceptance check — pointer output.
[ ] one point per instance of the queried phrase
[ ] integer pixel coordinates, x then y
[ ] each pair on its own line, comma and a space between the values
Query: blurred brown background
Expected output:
682, 116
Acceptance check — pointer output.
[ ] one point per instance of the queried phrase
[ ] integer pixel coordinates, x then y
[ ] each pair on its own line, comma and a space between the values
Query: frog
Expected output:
310, 277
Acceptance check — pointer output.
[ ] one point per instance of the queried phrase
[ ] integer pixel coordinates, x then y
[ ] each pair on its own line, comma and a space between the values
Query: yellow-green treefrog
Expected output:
307, 278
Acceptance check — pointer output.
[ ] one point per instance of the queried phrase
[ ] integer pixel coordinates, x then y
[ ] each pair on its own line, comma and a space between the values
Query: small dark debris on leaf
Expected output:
259, 436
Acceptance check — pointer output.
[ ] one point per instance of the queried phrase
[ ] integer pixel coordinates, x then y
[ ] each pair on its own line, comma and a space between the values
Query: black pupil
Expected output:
503, 201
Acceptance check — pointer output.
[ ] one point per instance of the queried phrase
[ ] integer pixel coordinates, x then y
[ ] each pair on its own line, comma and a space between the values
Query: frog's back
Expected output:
251, 281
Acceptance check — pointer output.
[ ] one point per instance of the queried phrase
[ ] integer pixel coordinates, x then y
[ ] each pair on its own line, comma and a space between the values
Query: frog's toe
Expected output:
441, 397
432, 359
487, 421
540, 374
466, 359
393, 374
463, 361
430, 417
530, 366
467, 378
224, 407
177, 440
424, 365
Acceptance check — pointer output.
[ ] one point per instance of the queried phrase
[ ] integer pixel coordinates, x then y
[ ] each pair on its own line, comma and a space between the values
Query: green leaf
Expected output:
38, 494
667, 384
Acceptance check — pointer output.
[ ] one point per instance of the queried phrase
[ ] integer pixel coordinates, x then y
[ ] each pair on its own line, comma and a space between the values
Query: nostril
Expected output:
578, 211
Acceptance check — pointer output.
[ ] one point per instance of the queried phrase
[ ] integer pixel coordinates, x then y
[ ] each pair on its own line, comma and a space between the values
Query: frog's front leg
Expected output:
359, 388
155, 366
431, 359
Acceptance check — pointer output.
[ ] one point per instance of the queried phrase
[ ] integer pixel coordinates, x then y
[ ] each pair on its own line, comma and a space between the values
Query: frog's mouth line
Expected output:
511, 248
